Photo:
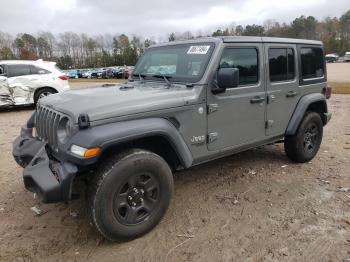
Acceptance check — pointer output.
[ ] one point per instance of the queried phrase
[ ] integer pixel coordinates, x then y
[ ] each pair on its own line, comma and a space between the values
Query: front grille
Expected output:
46, 123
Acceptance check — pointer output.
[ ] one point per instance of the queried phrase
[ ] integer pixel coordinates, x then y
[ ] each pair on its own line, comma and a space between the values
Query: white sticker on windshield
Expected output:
198, 49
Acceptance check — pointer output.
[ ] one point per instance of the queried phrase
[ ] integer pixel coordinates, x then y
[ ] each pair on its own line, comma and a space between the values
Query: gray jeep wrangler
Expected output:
187, 103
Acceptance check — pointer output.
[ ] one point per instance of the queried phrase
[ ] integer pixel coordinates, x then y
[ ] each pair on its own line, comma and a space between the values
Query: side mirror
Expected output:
226, 78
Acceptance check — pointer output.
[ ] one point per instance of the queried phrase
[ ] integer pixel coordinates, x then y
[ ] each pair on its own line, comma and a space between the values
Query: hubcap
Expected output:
136, 199
43, 94
310, 138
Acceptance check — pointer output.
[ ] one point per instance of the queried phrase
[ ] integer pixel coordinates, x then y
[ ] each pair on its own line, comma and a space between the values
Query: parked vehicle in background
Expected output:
107, 73
97, 73
110, 72
72, 74
331, 58
83, 73
88, 73
347, 57
79, 73
118, 72
220, 96
124, 72
25, 82
130, 70
100, 72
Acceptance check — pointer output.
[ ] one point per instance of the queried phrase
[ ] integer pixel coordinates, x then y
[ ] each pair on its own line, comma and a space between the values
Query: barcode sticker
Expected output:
198, 49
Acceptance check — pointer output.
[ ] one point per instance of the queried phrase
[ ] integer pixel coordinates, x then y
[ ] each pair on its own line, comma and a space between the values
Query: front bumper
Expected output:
51, 180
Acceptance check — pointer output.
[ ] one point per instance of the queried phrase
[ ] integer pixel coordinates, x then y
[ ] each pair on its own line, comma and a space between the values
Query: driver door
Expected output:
237, 116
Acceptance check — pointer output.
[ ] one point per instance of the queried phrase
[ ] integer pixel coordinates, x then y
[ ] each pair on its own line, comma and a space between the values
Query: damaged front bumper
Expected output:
50, 179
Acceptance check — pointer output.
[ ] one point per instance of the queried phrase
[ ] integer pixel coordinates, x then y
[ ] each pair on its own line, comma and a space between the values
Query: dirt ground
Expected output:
253, 206
338, 72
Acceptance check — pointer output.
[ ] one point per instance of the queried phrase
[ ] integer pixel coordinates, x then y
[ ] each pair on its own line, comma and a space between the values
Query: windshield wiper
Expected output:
141, 77
165, 77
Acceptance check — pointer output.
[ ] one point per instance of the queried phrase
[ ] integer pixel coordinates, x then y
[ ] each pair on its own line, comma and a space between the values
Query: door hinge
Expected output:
212, 108
269, 123
212, 137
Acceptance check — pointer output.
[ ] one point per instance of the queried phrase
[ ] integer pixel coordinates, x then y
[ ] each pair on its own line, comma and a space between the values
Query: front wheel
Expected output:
129, 194
305, 143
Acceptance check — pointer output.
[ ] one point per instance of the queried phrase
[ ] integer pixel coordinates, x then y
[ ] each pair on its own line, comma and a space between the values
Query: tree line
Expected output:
72, 50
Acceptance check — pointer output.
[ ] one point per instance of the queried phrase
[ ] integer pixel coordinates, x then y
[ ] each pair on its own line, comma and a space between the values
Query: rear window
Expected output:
281, 64
312, 64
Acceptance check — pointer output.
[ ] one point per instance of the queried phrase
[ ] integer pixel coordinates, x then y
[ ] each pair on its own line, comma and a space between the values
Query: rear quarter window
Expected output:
312, 62
35, 70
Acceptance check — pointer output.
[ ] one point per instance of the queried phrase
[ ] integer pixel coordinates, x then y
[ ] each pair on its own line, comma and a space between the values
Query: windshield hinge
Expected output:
83, 121
212, 108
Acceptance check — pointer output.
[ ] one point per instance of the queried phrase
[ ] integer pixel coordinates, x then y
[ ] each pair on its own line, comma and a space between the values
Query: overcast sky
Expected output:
153, 17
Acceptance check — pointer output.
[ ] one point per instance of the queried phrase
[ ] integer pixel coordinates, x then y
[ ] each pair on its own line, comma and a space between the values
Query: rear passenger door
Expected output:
19, 74
282, 86
21, 83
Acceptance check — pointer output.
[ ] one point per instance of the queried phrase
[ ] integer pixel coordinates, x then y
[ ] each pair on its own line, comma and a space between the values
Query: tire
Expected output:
305, 143
129, 194
42, 92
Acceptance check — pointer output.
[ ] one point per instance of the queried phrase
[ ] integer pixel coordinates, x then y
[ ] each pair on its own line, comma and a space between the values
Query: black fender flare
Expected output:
300, 111
112, 134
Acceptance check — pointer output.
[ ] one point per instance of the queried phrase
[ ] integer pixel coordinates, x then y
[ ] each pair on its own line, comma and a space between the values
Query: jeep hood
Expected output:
103, 102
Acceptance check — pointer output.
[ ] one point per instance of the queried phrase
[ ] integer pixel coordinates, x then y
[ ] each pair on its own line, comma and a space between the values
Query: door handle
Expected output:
271, 98
257, 99
291, 93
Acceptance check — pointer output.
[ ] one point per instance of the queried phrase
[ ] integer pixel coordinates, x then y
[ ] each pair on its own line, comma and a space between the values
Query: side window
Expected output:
34, 70
246, 60
281, 64
18, 70
312, 65
2, 69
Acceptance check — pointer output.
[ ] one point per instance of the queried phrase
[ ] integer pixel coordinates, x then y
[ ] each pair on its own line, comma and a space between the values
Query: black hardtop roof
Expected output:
243, 39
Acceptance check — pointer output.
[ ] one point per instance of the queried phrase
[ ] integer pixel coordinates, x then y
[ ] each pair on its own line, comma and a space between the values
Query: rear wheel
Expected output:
43, 92
129, 194
305, 143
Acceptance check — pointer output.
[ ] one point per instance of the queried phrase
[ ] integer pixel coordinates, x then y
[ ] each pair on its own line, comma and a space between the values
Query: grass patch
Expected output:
340, 88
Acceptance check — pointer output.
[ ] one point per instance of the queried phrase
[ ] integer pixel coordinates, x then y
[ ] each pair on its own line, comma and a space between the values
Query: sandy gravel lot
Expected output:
254, 206
338, 72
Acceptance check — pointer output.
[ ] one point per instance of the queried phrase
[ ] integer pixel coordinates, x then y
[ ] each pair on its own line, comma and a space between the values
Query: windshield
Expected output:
183, 62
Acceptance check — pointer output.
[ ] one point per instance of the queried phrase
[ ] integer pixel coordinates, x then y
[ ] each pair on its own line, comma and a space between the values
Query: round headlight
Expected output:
63, 130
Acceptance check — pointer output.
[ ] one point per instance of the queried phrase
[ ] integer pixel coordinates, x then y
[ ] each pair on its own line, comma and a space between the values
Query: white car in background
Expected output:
347, 57
24, 82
